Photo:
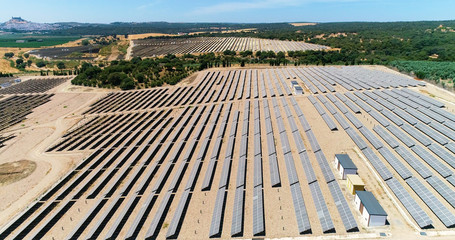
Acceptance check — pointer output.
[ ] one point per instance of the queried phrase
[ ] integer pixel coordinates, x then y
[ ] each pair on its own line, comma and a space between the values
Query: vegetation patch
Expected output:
14, 171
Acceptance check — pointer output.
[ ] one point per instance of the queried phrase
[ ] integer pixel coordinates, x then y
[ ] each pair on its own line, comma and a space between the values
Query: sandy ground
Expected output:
34, 135
49, 122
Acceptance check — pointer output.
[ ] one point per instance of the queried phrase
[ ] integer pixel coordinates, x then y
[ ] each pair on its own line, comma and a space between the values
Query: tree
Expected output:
61, 65
26, 55
9, 55
19, 61
127, 83
85, 42
40, 64
29, 62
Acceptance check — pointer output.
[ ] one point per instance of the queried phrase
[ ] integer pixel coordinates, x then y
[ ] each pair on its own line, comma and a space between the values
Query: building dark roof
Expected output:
370, 203
294, 83
345, 161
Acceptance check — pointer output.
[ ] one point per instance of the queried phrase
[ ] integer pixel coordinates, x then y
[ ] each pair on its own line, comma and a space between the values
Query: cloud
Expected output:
257, 4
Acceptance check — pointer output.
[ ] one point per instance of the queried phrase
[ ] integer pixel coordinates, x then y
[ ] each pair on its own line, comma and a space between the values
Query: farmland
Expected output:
234, 153
33, 41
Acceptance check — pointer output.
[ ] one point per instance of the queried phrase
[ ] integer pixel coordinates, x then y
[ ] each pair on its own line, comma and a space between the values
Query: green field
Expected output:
34, 41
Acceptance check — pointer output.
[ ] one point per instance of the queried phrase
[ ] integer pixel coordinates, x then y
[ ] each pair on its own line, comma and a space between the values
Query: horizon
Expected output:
226, 11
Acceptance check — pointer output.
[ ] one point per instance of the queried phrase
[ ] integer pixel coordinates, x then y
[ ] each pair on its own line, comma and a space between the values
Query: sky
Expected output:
236, 11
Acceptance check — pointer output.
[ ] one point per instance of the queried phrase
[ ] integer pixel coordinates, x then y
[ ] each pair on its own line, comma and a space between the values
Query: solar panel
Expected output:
177, 220
218, 212
450, 125
451, 147
401, 135
304, 123
392, 117
257, 171
241, 171
330, 107
293, 125
377, 164
353, 119
299, 142
258, 212
331, 98
451, 180
432, 115
307, 167
321, 208
432, 161
341, 97
352, 106
416, 134
325, 167
274, 171
313, 141
356, 138
378, 117
238, 213
374, 104
344, 124
285, 146
386, 136
418, 115
341, 107
371, 138
446, 217
405, 116
301, 214
422, 219
346, 215
154, 226
332, 126
443, 113
402, 170
445, 191
290, 167
443, 154
416, 164
443, 130
432, 134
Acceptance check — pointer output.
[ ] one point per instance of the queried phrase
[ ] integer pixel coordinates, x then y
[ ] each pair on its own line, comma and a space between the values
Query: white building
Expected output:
298, 90
344, 165
370, 209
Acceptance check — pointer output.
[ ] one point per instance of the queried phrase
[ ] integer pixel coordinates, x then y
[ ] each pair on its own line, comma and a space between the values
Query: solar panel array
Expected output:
164, 161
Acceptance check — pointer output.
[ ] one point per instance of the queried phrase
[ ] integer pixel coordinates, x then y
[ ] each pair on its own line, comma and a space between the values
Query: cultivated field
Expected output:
233, 153
157, 47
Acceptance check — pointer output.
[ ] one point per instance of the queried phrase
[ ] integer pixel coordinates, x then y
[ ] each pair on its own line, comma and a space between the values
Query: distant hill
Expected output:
20, 24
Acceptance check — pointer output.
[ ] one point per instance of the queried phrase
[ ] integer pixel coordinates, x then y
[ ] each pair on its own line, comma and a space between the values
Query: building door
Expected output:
361, 208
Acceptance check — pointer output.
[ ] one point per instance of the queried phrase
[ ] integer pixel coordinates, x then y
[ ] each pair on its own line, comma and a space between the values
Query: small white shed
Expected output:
345, 165
298, 90
372, 212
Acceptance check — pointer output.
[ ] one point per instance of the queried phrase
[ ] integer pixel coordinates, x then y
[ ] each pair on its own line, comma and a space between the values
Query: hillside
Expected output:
19, 24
